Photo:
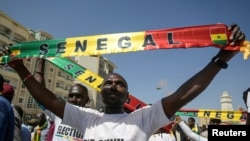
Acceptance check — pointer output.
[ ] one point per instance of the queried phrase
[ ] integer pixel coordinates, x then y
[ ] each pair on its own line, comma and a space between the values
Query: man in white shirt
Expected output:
114, 123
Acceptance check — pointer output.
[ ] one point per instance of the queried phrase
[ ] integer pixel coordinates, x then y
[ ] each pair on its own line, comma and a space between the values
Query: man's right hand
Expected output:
14, 61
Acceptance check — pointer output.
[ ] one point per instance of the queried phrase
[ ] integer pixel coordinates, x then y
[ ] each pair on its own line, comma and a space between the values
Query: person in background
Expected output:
9, 92
192, 125
32, 123
114, 123
25, 132
204, 132
188, 131
41, 130
77, 95
214, 121
7, 118
246, 99
178, 132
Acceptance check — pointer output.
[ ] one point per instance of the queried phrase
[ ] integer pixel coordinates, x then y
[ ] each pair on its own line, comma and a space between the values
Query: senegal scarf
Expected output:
38, 131
56, 51
214, 35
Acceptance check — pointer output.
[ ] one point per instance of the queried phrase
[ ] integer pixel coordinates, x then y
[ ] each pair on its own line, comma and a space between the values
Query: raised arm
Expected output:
39, 71
39, 76
199, 82
37, 90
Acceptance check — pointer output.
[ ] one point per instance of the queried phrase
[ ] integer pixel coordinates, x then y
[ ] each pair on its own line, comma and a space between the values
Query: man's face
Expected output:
191, 122
214, 121
41, 118
77, 96
114, 90
173, 127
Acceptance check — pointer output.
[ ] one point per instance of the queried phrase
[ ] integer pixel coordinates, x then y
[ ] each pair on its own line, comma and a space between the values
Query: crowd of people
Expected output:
72, 120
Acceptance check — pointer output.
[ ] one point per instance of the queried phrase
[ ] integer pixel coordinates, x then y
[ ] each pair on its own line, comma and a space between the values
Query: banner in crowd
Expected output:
224, 115
219, 114
78, 72
214, 35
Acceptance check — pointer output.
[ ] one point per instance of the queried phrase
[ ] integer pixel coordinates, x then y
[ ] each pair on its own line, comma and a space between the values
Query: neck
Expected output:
114, 110
42, 124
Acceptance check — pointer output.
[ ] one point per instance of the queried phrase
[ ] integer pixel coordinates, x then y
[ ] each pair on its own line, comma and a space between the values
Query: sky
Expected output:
146, 70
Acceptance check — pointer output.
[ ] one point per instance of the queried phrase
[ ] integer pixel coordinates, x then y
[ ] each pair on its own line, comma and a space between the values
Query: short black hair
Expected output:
192, 119
215, 121
247, 90
85, 89
82, 86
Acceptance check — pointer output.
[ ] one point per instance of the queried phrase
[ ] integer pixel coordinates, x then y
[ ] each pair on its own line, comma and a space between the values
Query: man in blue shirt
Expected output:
6, 116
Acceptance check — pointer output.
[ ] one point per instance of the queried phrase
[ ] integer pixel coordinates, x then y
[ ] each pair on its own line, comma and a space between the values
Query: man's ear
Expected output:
86, 100
127, 95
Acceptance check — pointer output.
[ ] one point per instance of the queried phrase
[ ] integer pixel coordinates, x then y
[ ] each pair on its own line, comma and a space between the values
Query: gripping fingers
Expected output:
239, 37
4, 50
242, 36
236, 36
7, 50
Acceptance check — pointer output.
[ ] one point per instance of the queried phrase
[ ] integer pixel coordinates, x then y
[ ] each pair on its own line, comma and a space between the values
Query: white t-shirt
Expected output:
63, 132
162, 137
136, 126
